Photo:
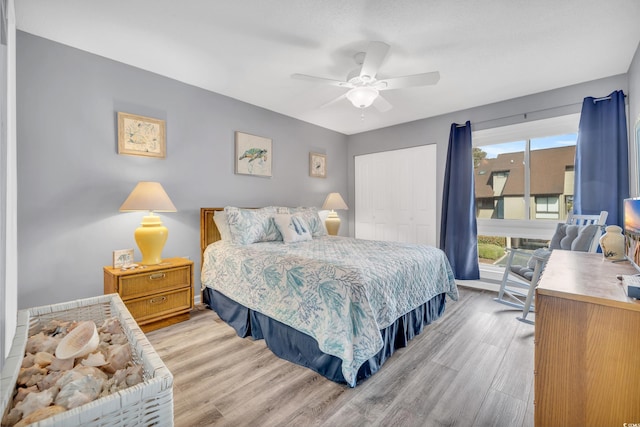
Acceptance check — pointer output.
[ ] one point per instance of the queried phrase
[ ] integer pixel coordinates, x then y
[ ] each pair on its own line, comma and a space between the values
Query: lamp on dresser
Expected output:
333, 201
151, 235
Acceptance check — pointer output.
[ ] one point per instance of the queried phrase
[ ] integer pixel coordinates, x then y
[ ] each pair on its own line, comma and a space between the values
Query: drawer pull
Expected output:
157, 276
158, 300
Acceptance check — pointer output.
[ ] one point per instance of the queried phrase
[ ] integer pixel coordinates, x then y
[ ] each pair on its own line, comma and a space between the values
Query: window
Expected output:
547, 207
524, 185
531, 179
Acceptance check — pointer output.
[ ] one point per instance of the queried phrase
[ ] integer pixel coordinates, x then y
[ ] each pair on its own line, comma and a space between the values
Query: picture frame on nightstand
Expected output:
122, 258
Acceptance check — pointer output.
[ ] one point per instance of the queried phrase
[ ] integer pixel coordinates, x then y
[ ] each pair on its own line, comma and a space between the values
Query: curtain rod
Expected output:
536, 111
604, 98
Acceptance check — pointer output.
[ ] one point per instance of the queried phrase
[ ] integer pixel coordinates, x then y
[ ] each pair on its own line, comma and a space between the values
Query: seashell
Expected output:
41, 342
134, 375
22, 392
94, 359
55, 327
80, 391
40, 414
111, 326
118, 357
30, 376
90, 370
61, 364
12, 417
82, 340
50, 380
34, 401
27, 360
43, 358
119, 339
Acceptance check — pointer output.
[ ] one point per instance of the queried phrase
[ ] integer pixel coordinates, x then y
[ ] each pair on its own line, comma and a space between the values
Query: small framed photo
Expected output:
317, 165
253, 155
141, 136
122, 258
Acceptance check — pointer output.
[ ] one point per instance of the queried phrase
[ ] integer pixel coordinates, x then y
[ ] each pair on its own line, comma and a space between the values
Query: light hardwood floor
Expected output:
473, 367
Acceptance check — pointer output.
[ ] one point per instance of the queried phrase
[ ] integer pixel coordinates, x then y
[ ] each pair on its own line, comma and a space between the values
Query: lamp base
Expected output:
150, 238
332, 223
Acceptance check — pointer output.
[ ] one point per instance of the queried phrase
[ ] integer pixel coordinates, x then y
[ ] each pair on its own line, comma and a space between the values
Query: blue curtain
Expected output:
602, 166
458, 228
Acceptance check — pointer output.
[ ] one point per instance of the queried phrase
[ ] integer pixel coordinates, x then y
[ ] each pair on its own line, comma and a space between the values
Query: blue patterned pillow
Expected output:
252, 225
311, 217
293, 228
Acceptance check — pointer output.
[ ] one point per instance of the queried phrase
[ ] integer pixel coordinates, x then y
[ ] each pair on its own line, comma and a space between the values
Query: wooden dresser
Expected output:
156, 295
587, 344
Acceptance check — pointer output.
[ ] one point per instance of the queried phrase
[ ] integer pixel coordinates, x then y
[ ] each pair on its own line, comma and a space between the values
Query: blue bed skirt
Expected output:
294, 346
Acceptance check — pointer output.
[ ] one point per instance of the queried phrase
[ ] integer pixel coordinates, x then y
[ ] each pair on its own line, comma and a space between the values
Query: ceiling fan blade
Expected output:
424, 79
334, 101
321, 80
376, 52
382, 104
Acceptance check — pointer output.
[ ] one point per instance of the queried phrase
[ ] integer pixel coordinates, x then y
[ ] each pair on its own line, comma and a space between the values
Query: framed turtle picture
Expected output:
253, 155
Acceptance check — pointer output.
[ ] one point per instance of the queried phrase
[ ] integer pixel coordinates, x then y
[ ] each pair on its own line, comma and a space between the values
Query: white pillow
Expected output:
293, 228
323, 214
220, 219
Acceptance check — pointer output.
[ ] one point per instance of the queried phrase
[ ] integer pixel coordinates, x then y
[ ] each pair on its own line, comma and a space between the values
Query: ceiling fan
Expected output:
364, 87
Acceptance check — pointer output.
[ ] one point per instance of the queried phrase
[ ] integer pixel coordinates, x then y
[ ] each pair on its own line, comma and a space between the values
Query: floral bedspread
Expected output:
340, 291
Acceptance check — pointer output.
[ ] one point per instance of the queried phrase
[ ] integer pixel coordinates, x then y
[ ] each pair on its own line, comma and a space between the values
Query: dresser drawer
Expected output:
154, 281
151, 307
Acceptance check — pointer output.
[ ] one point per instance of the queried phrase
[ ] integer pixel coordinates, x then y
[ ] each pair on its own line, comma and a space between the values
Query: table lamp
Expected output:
333, 201
151, 235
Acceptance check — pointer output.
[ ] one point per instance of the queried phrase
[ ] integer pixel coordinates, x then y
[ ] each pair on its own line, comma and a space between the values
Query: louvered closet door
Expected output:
396, 195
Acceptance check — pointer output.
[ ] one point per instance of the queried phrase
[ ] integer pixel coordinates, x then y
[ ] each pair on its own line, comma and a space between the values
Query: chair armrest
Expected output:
525, 253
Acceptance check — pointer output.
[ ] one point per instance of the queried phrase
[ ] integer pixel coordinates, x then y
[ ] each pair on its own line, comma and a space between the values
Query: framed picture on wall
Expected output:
141, 136
317, 165
253, 155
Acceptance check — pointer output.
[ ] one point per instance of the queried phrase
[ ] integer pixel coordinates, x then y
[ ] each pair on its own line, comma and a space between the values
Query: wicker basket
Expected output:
148, 403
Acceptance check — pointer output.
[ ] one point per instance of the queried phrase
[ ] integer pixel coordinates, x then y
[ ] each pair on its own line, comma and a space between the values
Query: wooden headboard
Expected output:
208, 231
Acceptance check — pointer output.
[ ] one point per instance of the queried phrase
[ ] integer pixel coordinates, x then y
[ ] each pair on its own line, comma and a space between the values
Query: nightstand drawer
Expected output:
152, 307
154, 281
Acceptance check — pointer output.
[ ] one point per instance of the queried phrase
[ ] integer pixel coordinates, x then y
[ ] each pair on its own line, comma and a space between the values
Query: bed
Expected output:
337, 305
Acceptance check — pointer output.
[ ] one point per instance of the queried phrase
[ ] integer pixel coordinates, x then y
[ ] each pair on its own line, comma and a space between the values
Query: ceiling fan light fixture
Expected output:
363, 96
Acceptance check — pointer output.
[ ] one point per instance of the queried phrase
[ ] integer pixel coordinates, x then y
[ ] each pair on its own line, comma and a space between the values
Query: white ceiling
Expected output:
485, 50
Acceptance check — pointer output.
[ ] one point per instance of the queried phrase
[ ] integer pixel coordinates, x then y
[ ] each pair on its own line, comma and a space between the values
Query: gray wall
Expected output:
71, 181
435, 130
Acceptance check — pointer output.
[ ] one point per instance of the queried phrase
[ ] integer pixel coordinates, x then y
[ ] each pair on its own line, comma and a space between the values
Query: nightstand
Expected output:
156, 295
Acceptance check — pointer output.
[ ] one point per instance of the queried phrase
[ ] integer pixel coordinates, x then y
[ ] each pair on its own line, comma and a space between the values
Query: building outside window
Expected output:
523, 176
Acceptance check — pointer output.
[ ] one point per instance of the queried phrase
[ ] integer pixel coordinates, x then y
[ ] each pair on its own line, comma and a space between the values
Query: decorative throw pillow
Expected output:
573, 237
293, 228
220, 219
541, 253
311, 217
252, 225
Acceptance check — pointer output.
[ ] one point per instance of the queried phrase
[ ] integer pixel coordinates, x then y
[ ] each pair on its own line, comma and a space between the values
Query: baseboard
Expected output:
480, 284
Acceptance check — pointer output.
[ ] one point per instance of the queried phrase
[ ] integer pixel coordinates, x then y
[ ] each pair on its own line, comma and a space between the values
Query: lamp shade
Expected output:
151, 235
363, 96
148, 196
334, 201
